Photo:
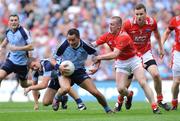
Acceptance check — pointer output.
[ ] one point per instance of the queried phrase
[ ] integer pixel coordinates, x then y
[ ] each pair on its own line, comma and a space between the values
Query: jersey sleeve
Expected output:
61, 48
47, 68
172, 24
35, 76
155, 24
126, 25
89, 49
102, 39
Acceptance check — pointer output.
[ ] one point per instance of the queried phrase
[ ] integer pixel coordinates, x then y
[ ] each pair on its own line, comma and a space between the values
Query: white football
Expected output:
70, 66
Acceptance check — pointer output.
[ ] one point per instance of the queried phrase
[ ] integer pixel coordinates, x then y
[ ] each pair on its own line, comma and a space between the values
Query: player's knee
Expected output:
46, 103
65, 89
143, 84
24, 85
156, 76
121, 89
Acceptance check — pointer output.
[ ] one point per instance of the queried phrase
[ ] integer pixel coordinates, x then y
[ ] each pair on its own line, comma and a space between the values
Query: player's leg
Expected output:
151, 67
175, 92
88, 85
50, 93
120, 99
21, 73
7, 68
122, 83
13, 91
48, 96
65, 86
176, 79
75, 96
140, 76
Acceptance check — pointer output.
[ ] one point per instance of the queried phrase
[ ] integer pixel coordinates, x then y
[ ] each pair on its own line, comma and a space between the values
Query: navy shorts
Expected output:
54, 84
79, 76
21, 71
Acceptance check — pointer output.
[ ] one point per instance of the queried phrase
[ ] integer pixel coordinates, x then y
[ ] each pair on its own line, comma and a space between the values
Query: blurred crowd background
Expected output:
49, 20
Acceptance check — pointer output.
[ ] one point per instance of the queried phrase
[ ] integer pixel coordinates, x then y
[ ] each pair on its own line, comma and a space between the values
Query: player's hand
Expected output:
161, 53
1, 48
26, 90
95, 59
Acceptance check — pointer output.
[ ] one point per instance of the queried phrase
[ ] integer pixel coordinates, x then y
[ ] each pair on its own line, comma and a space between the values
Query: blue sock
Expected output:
106, 108
78, 101
57, 97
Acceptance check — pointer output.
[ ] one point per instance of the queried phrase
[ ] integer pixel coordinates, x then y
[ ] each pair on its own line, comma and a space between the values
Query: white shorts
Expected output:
176, 63
128, 66
147, 56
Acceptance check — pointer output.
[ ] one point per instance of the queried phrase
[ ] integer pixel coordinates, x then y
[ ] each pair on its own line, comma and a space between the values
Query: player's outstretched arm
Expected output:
28, 47
40, 86
3, 44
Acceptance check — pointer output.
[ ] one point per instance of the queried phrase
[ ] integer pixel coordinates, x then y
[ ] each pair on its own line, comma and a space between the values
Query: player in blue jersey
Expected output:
48, 72
77, 51
18, 42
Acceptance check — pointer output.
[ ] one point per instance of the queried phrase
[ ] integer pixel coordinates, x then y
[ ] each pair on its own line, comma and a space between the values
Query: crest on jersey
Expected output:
148, 30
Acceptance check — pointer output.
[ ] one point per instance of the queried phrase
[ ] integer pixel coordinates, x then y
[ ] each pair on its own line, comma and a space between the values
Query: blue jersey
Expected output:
21, 37
47, 69
78, 56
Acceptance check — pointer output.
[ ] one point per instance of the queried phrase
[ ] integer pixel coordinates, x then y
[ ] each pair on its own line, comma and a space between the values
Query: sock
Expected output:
174, 102
106, 108
159, 98
78, 101
130, 94
57, 97
120, 99
154, 106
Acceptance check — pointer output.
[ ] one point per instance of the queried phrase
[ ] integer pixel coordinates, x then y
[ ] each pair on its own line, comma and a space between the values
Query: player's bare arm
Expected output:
108, 56
42, 85
4, 43
165, 35
161, 48
28, 47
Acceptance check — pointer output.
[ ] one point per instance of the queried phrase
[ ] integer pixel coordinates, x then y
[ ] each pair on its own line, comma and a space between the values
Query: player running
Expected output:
77, 51
126, 60
140, 28
174, 25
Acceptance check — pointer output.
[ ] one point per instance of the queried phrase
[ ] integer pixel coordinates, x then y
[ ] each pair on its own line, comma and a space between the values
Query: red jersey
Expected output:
121, 41
174, 24
141, 35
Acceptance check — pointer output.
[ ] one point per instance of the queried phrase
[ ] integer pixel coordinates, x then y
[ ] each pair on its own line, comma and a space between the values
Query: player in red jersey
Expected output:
126, 60
140, 28
174, 24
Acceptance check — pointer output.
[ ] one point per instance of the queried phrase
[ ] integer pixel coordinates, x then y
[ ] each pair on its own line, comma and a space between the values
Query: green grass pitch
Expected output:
140, 111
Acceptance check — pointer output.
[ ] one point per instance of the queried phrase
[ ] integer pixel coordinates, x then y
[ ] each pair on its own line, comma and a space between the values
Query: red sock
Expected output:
159, 98
130, 94
174, 102
120, 99
154, 106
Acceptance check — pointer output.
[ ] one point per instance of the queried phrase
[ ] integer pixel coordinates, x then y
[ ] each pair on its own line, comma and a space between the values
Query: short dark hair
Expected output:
118, 19
74, 31
140, 6
14, 15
